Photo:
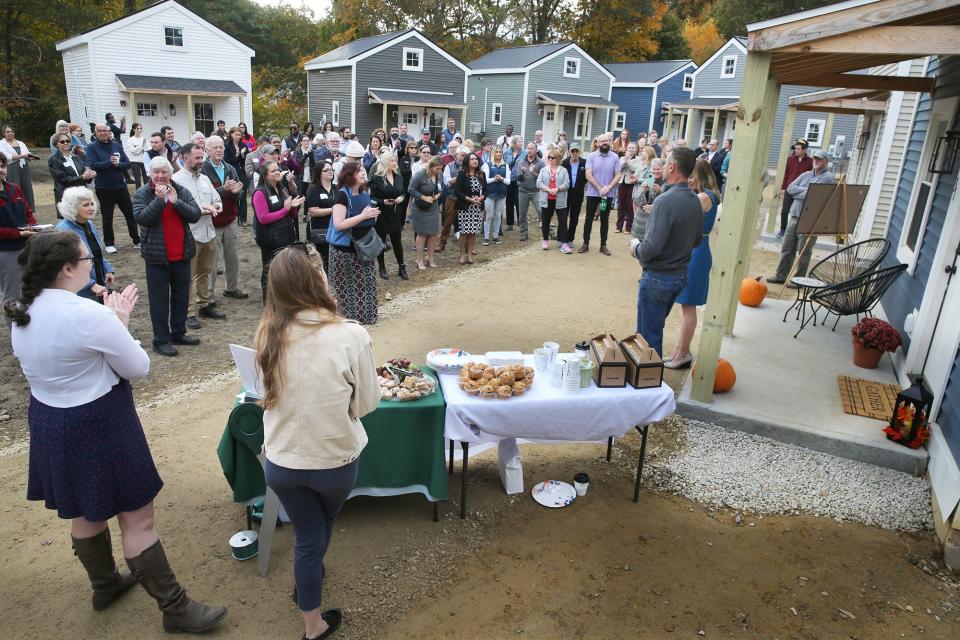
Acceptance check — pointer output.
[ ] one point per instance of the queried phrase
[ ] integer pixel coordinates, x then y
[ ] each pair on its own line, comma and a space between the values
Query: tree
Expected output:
670, 41
702, 38
634, 37
733, 16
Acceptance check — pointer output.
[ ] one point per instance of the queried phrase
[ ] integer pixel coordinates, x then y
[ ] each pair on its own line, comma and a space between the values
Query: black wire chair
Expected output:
856, 296
851, 261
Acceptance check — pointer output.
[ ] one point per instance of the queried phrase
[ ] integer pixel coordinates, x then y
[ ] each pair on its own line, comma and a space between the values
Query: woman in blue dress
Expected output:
704, 184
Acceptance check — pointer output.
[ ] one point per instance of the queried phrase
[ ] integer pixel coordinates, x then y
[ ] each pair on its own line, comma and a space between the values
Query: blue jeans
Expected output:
658, 292
313, 499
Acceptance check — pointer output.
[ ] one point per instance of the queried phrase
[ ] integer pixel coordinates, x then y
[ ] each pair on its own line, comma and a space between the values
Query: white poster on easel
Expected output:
245, 359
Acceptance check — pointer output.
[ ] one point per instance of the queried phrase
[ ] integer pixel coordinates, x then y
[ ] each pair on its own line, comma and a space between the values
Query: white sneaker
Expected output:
111, 249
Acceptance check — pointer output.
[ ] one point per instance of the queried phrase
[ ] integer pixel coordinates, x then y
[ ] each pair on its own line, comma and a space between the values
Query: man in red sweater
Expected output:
16, 218
798, 162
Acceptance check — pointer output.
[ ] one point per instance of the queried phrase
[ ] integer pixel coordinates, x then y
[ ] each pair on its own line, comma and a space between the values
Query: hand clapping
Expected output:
122, 303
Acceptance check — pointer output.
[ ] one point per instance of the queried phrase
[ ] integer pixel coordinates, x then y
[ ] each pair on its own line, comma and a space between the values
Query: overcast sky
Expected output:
320, 8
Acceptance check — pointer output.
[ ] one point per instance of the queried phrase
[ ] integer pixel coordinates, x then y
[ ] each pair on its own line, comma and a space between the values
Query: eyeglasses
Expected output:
87, 258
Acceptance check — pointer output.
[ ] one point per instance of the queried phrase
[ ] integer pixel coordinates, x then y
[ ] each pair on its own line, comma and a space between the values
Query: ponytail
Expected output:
41, 260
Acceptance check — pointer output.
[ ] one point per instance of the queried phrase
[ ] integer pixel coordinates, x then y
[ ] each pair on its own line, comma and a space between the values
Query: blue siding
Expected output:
635, 103
670, 91
949, 418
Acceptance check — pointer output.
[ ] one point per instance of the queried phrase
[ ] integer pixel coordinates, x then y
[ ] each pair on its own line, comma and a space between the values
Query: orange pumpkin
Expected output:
752, 291
725, 378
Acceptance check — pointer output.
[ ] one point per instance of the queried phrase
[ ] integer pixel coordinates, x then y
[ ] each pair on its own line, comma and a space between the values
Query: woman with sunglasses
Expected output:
407, 160
318, 203
67, 169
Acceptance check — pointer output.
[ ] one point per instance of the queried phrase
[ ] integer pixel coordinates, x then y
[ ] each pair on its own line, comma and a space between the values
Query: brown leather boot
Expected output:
180, 613
96, 556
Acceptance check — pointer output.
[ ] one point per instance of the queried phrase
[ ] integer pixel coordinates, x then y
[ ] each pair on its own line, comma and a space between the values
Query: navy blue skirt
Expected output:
92, 460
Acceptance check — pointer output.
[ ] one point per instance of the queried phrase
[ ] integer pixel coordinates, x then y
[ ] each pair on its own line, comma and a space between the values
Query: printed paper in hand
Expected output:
246, 366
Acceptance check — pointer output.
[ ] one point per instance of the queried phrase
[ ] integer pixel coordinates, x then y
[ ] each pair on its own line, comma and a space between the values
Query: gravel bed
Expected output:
744, 472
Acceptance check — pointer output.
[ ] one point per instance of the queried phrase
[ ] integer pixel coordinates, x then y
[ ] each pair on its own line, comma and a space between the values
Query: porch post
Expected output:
586, 127
191, 125
716, 126
243, 117
384, 125
666, 128
688, 132
556, 120
827, 132
133, 108
463, 122
773, 219
756, 115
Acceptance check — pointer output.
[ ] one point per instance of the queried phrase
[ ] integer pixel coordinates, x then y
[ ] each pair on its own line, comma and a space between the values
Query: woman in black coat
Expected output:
67, 170
470, 191
387, 190
235, 154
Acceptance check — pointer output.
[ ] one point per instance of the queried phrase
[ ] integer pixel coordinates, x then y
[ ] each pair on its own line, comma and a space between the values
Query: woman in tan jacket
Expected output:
319, 379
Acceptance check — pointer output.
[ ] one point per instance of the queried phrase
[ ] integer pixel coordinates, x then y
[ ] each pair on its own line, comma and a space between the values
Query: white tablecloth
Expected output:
548, 414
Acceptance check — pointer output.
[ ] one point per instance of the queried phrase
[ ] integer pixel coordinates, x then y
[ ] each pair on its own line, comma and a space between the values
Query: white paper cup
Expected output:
556, 374
581, 482
541, 358
553, 348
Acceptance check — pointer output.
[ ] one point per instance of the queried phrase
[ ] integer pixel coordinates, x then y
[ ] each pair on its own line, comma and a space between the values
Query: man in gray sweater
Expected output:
674, 229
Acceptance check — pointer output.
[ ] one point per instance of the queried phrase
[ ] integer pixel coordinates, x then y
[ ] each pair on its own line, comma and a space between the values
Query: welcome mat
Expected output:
867, 398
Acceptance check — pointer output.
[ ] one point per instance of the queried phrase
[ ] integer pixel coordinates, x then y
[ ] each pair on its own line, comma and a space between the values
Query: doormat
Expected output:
867, 398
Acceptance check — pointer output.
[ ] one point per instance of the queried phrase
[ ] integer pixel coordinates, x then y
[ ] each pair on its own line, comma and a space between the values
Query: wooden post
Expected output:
586, 130
666, 128
384, 125
463, 122
689, 129
556, 122
191, 125
716, 127
133, 110
243, 117
827, 132
785, 150
756, 117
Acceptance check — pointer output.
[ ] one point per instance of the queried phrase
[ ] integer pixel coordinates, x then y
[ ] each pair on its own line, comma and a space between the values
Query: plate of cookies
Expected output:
495, 383
401, 381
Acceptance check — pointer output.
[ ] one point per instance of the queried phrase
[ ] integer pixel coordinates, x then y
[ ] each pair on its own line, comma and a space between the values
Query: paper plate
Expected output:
554, 493
447, 360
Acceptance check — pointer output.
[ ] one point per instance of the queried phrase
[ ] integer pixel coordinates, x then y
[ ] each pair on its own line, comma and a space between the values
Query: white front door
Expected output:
148, 112
549, 127
410, 117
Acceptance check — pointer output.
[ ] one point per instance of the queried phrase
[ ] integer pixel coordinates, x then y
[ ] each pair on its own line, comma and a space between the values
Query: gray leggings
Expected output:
312, 499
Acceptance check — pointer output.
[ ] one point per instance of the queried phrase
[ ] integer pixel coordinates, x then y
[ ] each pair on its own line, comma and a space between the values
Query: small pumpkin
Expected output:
752, 291
725, 377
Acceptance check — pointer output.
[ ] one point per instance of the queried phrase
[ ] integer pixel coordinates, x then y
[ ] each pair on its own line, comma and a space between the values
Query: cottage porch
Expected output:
787, 389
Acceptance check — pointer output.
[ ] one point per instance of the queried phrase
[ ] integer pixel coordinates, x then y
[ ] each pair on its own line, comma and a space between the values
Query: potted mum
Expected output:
871, 339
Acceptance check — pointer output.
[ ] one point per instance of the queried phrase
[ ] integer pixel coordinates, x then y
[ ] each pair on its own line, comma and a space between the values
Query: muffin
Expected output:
519, 388
476, 373
496, 381
508, 377
504, 392
471, 387
488, 391
489, 372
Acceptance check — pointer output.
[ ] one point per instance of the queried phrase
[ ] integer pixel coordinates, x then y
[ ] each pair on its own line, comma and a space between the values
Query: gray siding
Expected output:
505, 88
323, 87
708, 81
549, 77
843, 125
385, 70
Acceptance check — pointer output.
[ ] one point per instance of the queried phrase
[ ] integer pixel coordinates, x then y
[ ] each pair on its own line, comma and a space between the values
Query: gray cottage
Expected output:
711, 109
384, 81
549, 87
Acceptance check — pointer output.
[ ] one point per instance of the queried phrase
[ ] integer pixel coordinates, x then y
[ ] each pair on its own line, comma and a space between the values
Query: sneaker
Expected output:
779, 235
565, 248
136, 245
497, 241
457, 235
545, 245
486, 242
111, 249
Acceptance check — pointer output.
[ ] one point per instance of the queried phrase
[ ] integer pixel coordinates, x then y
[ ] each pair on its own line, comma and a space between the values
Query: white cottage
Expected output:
162, 65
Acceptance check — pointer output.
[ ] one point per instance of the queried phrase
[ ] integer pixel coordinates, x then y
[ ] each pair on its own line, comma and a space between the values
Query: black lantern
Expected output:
945, 152
908, 425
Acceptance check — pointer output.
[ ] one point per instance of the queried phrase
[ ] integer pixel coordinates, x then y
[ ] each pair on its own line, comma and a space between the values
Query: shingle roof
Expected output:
569, 99
180, 85
414, 98
516, 57
644, 71
355, 48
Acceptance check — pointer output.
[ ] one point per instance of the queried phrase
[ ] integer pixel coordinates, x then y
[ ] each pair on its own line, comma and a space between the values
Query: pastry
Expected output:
476, 373
504, 392
488, 391
471, 387
497, 381
508, 377
518, 388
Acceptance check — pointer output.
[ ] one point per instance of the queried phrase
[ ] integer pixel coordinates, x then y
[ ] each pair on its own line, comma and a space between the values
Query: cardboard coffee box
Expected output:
611, 365
644, 366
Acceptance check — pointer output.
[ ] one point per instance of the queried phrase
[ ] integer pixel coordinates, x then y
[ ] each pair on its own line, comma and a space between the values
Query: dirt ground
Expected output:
604, 568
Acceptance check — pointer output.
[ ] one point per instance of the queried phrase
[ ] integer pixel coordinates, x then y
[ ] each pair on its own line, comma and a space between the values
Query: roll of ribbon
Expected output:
244, 545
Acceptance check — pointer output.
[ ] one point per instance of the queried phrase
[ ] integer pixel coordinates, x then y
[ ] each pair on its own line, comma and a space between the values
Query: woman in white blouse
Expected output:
89, 458
18, 163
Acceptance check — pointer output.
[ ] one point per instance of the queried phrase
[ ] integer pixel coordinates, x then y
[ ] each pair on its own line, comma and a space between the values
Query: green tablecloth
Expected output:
405, 453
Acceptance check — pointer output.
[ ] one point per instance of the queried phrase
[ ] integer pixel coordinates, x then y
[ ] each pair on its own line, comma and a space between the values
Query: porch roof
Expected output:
844, 101
572, 100
709, 104
179, 86
412, 98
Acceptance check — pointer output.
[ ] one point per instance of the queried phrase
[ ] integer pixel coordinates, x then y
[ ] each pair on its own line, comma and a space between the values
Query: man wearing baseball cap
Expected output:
798, 162
426, 142
798, 190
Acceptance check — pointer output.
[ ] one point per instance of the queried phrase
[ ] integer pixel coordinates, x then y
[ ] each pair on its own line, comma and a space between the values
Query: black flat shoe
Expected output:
192, 323
165, 349
403, 272
209, 312
239, 295
332, 617
185, 339
383, 273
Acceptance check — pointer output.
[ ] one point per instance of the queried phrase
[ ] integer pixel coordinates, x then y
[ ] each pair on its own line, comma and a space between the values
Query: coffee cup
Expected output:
581, 482
553, 348
541, 358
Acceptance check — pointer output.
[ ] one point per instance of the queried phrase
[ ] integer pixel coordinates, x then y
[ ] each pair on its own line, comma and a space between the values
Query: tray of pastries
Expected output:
495, 383
401, 381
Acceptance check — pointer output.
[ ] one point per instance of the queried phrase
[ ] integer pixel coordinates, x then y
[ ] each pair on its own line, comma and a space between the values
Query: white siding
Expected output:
139, 49
79, 80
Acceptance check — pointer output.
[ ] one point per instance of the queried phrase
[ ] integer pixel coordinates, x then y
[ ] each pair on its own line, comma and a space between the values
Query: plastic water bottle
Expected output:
603, 205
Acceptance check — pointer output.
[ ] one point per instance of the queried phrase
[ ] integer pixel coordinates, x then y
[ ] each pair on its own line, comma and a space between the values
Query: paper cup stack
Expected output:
571, 373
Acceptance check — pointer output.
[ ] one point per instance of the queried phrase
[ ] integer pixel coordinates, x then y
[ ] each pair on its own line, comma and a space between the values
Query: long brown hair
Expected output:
294, 285
706, 180
40, 260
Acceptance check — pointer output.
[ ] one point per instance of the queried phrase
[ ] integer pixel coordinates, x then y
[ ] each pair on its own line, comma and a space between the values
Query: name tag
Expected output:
256, 160
274, 199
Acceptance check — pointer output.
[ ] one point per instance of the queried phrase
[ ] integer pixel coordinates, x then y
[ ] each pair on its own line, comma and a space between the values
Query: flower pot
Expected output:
866, 357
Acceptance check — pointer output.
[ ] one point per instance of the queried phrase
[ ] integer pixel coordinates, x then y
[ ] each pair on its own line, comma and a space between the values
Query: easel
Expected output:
843, 227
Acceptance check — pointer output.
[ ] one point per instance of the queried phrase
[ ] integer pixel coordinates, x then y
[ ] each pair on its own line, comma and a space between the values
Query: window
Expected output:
921, 200
687, 82
173, 36
335, 113
581, 125
147, 109
814, 133
729, 67
571, 67
410, 118
203, 117
436, 122
496, 113
412, 59
620, 121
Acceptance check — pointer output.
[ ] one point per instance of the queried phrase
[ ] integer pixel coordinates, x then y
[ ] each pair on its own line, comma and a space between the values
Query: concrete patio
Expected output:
787, 389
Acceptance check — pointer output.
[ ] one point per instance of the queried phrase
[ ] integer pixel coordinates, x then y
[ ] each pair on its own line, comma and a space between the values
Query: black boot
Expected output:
403, 272
180, 613
96, 556
383, 273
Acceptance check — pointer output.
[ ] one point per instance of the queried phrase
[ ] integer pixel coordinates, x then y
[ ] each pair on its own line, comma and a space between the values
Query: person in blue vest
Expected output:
497, 174
107, 157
